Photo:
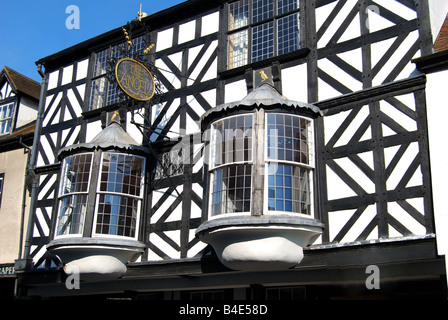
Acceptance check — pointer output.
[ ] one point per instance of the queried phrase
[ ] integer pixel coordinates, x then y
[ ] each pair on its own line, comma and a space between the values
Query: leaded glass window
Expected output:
231, 165
289, 163
238, 48
102, 91
120, 194
170, 164
73, 189
238, 14
261, 29
263, 41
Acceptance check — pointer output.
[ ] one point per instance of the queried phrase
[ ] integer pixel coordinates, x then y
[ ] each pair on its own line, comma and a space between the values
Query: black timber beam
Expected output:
433, 62
405, 260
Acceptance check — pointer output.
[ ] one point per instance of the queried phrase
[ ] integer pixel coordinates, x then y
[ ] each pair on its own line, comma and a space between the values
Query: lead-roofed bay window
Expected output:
261, 29
119, 195
259, 181
100, 203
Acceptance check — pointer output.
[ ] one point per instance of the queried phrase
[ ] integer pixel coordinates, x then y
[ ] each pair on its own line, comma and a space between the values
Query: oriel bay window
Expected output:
109, 183
97, 229
119, 195
260, 181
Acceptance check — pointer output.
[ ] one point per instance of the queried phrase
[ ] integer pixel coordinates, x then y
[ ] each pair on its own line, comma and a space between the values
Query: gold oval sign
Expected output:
134, 79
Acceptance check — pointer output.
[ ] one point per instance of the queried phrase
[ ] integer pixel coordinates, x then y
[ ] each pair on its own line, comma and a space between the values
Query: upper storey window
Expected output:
103, 92
261, 29
6, 117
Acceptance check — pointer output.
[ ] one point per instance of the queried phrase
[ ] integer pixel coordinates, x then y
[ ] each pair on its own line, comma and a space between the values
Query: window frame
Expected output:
71, 194
310, 167
212, 169
139, 198
173, 165
249, 29
9, 119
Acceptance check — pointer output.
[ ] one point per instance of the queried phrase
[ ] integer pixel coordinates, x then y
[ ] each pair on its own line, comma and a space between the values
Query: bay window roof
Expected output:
112, 137
264, 95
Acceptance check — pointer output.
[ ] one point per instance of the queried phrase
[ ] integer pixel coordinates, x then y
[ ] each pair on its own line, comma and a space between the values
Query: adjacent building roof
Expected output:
441, 42
21, 83
17, 139
438, 60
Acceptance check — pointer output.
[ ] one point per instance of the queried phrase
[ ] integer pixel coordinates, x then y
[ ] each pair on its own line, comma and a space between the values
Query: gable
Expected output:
5, 89
17, 82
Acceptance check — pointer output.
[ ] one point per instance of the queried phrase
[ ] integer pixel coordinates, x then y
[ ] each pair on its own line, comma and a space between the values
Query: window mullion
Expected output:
87, 232
249, 32
275, 38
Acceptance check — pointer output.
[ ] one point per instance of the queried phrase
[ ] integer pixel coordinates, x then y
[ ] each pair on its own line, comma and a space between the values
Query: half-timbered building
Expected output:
284, 153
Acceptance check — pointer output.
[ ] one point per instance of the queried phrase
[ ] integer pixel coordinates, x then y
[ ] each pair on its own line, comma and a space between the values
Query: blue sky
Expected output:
31, 30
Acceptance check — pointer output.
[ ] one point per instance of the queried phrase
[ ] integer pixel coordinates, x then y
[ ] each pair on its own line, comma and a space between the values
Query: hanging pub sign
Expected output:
134, 79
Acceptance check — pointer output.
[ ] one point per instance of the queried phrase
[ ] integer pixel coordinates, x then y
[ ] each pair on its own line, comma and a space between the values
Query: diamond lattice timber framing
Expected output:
372, 100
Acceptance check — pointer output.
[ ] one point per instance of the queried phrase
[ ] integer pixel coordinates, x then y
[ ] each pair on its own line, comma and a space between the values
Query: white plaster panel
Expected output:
176, 214
187, 31
27, 112
167, 73
82, 68
336, 187
52, 107
132, 129
93, 129
67, 75
437, 11
198, 247
295, 84
397, 174
69, 140
235, 91
164, 39
210, 23
53, 79
437, 113
6, 91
